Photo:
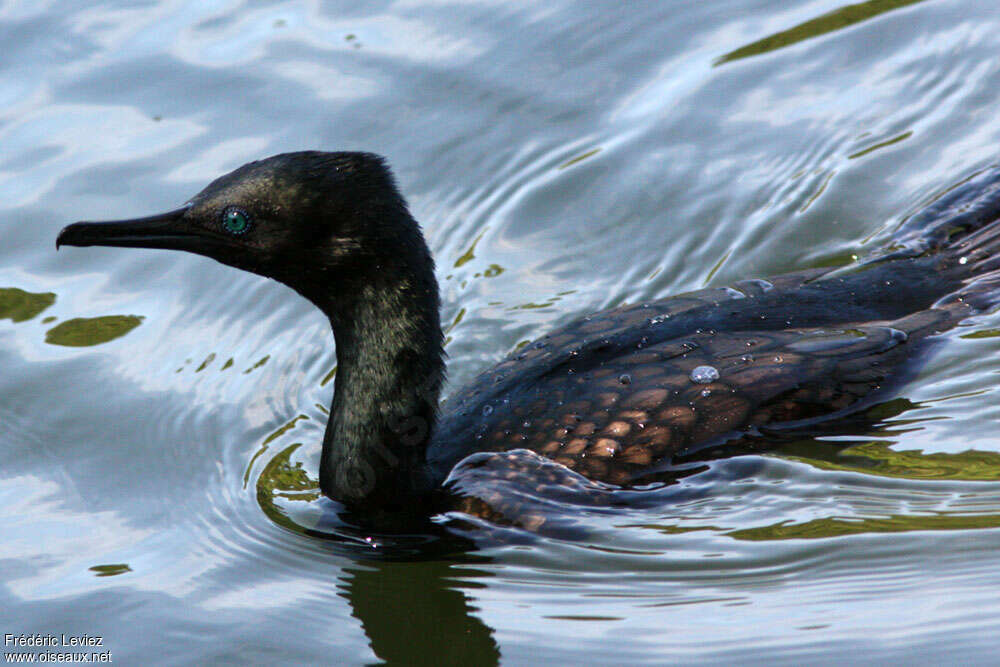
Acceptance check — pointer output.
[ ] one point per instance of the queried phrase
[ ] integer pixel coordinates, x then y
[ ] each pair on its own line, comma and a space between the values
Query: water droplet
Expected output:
762, 285
487, 410
659, 319
625, 378
706, 392
964, 260
526, 423
747, 358
704, 374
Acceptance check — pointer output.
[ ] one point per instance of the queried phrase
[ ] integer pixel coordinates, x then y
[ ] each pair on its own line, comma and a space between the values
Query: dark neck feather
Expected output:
390, 368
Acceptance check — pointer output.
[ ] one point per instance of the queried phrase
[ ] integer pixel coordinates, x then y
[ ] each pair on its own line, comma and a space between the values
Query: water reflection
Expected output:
412, 592
418, 613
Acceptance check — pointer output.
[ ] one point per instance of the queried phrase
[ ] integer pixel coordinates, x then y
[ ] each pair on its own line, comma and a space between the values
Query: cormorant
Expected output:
610, 396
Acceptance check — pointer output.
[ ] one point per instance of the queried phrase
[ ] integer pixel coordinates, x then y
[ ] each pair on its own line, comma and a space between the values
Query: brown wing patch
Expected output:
611, 431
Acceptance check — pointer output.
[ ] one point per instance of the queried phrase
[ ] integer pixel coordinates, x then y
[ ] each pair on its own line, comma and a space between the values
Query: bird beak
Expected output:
165, 230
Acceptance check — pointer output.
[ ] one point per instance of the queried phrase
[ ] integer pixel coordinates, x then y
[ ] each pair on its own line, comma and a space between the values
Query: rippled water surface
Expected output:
161, 414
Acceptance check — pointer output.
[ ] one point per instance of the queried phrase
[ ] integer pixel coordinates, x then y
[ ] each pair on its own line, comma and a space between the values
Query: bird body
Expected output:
612, 397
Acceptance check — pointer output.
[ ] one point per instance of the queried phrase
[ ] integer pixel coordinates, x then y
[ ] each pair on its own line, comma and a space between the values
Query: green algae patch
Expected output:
267, 441
209, 359
257, 365
110, 570
285, 479
17, 305
88, 331
282, 481
469, 254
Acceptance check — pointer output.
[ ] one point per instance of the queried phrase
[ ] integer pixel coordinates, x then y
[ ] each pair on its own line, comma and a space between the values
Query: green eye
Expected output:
235, 221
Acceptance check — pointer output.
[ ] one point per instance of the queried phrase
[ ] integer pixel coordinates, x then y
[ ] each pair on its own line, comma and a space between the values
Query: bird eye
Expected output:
236, 221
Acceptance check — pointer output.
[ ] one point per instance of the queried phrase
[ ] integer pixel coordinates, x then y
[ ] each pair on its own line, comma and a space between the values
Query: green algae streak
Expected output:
831, 22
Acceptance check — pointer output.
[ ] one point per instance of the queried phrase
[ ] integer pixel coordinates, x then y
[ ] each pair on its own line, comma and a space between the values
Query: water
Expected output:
563, 157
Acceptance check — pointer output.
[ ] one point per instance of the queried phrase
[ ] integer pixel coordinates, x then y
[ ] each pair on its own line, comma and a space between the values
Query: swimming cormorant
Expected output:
610, 396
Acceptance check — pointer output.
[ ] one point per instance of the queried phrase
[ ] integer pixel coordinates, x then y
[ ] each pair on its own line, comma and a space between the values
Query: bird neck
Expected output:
390, 369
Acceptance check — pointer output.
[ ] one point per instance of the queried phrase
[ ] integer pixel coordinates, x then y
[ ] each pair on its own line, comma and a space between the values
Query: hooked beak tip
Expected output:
61, 239
72, 235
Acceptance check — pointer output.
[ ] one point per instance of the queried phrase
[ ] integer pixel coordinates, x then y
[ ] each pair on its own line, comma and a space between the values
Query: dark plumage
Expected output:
613, 396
